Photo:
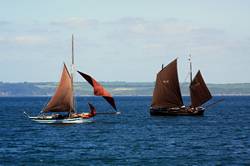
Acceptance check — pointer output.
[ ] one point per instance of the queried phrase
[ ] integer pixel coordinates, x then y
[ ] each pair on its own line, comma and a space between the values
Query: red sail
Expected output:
92, 110
167, 92
99, 89
62, 101
198, 91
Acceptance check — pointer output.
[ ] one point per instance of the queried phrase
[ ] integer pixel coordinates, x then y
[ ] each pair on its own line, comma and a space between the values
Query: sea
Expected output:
220, 137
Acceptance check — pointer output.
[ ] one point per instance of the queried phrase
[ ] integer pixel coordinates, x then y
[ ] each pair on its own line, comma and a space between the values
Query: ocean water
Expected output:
220, 137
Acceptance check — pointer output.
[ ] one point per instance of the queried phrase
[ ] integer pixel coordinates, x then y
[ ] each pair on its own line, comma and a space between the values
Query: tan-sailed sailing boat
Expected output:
167, 98
63, 101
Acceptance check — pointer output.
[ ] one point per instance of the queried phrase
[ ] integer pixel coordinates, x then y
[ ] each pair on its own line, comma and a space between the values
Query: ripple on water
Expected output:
220, 137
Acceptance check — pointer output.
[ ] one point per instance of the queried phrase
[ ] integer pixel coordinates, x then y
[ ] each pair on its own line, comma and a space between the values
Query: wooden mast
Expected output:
72, 72
190, 74
190, 68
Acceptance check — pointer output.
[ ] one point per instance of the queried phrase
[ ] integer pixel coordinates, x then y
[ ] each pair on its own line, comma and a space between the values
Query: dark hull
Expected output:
198, 111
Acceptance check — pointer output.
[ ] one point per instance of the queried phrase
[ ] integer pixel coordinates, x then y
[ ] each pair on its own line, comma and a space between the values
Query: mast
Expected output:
190, 68
72, 71
190, 74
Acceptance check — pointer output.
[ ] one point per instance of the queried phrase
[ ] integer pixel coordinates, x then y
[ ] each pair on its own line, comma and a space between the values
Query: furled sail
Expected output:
198, 91
167, 92
99, 89
62, 101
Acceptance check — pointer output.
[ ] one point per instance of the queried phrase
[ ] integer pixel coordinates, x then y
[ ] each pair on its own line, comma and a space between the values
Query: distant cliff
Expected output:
115, 88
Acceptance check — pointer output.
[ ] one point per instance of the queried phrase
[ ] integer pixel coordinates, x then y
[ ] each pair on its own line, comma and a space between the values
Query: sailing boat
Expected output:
63, 101
167, 98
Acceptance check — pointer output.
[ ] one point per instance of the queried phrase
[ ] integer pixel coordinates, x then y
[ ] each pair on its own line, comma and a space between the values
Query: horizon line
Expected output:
16, 82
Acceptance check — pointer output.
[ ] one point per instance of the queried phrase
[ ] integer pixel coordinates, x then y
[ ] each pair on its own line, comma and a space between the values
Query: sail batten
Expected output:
62, 100
99, 90
198, 91
167, 92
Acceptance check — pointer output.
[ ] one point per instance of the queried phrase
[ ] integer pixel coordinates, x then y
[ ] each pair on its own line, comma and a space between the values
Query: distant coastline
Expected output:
115, 88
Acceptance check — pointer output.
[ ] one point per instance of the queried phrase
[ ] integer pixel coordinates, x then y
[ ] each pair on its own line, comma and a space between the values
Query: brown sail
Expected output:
99, 89
167, 92
198, 91
62, 101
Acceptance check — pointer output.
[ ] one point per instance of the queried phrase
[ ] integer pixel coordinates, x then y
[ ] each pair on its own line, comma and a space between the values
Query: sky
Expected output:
125, 40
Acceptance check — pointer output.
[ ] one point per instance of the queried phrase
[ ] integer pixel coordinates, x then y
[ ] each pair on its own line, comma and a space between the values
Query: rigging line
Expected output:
185, 80
108, 113
215, 103
75, 93
72, 72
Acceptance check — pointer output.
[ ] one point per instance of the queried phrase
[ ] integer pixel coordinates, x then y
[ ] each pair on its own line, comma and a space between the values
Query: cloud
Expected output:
4, 23
138, 28
146, 30
154, 33
29, 39
153, 46
126, 21
76, 22
141, 25
169, 27
153, 36
149, 38
24, 40
134, 42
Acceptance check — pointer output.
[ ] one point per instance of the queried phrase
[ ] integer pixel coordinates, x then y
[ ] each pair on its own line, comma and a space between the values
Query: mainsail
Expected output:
62, 101
198, 91
167, 92
99, 89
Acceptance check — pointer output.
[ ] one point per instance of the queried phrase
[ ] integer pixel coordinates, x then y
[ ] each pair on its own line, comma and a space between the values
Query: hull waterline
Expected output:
66, 120
62, 121
199, 111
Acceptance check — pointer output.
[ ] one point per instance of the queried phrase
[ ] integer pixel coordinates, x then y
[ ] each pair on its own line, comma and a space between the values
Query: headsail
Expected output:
167, 92
198, 91
99, 89
62, 101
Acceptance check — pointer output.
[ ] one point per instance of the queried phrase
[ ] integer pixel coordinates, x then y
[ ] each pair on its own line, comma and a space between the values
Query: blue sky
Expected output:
128, 40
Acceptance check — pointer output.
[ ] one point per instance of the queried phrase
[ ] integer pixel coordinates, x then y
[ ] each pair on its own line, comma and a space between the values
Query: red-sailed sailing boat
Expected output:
167, 98
63, 100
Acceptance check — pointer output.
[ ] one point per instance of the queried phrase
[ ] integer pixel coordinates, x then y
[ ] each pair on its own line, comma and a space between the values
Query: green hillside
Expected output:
115, 88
